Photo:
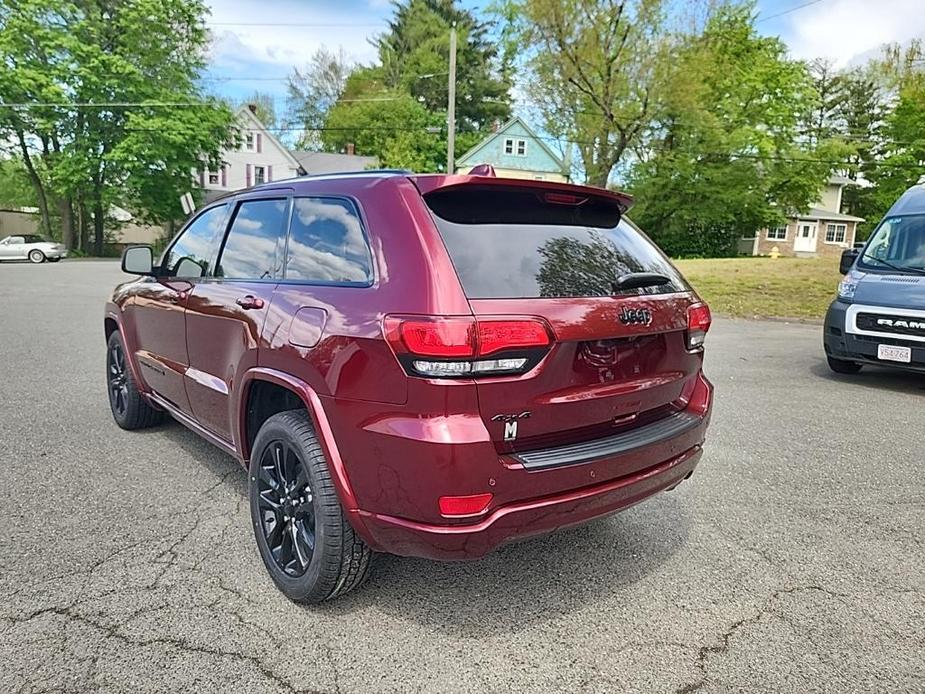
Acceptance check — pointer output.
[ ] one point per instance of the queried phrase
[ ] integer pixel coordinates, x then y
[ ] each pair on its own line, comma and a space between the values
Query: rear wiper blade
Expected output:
899, 268
637, 280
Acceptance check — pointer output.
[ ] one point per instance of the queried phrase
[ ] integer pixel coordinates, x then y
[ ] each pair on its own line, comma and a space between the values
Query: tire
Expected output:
840, 366
53, 260
309, 548
128, 405
36, 256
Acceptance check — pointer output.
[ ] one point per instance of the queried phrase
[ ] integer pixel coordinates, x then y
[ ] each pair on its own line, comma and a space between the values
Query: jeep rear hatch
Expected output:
619, 353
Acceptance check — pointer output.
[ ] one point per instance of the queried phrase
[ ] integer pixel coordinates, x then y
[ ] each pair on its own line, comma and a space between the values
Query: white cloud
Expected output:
240, 40
843, 30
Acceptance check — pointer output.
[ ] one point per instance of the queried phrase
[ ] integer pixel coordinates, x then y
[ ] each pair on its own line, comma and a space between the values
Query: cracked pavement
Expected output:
791, 561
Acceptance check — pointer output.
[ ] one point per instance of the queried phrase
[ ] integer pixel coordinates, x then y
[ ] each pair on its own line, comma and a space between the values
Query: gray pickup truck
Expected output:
878, 316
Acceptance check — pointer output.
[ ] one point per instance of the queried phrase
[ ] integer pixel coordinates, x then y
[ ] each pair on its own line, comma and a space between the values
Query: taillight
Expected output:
497, 335
698, 323
454, 347
439, 338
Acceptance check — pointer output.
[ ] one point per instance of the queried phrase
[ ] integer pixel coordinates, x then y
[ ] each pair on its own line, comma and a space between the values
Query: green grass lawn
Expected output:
765, 288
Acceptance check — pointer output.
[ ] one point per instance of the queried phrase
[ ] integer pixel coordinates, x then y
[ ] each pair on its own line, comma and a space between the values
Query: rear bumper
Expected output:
524, 519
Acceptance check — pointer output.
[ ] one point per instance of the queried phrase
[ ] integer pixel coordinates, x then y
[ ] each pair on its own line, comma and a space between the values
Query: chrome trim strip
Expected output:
851, 320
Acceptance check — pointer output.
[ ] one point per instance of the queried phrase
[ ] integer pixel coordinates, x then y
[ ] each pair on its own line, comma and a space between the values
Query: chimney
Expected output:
350, 148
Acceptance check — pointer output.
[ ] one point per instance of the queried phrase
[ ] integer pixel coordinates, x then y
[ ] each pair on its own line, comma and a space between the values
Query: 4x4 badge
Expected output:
510, 423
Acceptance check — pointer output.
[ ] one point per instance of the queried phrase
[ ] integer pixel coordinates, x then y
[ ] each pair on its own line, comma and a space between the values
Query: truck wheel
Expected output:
308, 546
840, 366
129, 407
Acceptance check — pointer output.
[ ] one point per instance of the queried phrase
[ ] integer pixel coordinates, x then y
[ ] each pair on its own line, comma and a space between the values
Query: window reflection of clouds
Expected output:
326, 243
251, 250
198, 241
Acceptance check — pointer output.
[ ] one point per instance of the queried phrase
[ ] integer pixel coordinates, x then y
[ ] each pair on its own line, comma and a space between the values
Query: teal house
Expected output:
515, 151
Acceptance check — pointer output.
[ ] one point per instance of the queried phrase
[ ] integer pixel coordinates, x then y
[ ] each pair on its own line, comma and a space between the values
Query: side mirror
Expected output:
138, 260
189, 269
847, 259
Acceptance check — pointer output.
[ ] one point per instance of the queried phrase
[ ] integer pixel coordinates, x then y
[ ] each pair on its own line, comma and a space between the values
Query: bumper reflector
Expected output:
459, 506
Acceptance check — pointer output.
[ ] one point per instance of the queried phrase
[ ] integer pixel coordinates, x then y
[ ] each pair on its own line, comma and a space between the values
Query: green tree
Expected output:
414, 58
391, 125
396, 109
597, 71
861, 111
15, 189
107, 110
829, 84
900, 160
313, 91
729, 157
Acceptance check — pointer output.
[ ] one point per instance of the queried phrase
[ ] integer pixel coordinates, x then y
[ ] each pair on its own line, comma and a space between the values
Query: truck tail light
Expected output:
457, 347
698, 323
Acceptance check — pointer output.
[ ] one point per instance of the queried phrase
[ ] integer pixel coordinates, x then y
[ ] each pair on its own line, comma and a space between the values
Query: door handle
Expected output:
249, 302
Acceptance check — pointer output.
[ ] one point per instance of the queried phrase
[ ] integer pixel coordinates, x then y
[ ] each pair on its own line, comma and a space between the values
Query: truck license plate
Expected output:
893, 353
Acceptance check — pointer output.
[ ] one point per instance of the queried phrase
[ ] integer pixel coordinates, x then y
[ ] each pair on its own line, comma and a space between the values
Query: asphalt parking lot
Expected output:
791, 561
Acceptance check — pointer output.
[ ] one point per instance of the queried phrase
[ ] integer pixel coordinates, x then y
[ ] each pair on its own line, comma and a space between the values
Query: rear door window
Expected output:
521, 243
253, 249
326, 243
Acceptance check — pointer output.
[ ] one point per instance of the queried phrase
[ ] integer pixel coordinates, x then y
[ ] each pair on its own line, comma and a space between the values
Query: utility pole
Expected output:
451, 107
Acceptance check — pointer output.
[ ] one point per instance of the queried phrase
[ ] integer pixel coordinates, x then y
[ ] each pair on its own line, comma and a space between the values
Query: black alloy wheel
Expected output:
286, 506
129, 407
311, 551
117, 375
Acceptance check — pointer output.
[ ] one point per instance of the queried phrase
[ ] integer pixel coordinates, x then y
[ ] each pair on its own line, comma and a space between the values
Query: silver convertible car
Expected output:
31, 247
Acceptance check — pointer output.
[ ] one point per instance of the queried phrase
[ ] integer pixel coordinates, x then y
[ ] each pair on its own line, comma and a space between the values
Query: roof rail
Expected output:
333, 174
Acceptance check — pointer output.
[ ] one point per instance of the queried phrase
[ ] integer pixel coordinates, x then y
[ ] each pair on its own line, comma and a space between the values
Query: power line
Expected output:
319, 25
792, 9
226, 78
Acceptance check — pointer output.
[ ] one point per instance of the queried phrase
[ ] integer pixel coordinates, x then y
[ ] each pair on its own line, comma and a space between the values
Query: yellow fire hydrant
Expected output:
775, 252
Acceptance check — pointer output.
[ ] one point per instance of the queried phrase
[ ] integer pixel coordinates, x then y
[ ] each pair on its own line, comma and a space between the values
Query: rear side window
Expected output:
198, 243
253, 249
326, 243
509, 243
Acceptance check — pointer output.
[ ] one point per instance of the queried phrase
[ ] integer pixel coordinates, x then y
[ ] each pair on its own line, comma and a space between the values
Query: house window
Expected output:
213, 178
836, 233
260, 175
249, 142
777, 234
518, 146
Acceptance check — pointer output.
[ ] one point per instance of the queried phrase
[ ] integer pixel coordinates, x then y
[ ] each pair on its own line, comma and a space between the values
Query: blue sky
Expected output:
256, 43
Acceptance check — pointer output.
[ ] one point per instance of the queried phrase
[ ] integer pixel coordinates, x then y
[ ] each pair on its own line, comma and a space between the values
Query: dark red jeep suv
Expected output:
424, 365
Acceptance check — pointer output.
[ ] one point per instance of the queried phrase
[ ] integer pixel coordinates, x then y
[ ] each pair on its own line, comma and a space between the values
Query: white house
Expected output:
261, 158
822, 230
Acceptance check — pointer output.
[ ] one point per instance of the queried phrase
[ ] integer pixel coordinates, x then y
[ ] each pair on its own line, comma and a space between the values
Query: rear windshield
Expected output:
519, 244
